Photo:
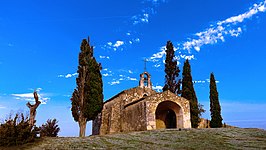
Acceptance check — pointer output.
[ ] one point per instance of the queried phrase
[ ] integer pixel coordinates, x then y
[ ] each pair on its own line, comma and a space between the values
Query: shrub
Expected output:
16, 131
50, 128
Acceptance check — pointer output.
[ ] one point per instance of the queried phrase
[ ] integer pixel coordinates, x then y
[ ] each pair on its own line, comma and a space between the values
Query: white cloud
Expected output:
107, 75
157, 65
114, 82
124, 76
137, 40
204, 81
155, 57
118, 44
68, 75
158, 88
141, 18
132, 79
109, 43
208, 80
227, 27
29, 97
129, 71
114, 46
104, 57
159, 55
199, 81
212, 35
106, 72
240, 18
187, 57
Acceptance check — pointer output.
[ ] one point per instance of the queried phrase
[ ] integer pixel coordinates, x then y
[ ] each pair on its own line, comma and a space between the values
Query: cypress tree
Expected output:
171, 70
215, 108
87, 98
188, 92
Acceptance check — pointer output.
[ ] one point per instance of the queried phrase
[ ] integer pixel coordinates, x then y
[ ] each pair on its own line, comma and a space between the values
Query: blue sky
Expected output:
40, 40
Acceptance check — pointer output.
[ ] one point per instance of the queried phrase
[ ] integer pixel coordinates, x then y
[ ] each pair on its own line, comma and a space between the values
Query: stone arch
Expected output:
168, 114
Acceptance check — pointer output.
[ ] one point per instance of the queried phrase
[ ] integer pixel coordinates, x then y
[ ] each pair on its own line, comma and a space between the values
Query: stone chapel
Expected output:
142, 108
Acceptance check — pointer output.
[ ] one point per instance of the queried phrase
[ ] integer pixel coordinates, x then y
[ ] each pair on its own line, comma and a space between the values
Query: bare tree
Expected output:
33, 108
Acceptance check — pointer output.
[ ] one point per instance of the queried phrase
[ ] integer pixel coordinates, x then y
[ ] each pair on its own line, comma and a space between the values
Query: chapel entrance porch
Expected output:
168, 115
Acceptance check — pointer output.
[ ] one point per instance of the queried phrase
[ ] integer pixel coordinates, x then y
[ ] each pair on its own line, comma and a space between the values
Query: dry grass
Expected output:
223, 138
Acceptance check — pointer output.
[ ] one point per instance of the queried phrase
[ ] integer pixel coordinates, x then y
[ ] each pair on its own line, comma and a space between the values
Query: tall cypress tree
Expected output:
87, 98
188, 92
171, 70
215, 108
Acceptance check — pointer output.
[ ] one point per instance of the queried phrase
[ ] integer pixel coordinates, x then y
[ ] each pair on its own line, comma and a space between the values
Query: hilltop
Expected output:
220, 138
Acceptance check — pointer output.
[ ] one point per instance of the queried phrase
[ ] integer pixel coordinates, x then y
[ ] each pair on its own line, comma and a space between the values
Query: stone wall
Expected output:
204, 123
124, 112
134, 110
134, 117
153, 102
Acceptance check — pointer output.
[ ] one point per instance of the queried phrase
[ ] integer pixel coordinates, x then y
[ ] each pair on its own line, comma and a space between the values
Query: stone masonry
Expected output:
141, 108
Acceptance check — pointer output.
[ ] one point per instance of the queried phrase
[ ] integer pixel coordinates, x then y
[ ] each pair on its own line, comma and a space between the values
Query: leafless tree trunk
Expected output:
33, 108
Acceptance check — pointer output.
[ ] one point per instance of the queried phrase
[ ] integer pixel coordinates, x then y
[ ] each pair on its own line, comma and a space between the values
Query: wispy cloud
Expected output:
114, 45
68, 75
107, 73
132, 36
157, 88
141, 18
2, 107
189, 57
157, 56
129, 71
240, 18
117, 79
118, 44
104, 57
204, 81
149, 10
30, 97
230, 27
123, 77
114, 82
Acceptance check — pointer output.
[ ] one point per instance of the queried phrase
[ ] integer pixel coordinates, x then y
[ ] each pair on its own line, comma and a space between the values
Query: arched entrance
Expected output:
170, 119
168, 115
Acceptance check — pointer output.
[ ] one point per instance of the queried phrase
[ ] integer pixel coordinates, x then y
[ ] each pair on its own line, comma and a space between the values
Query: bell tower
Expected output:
145, 80
145, 77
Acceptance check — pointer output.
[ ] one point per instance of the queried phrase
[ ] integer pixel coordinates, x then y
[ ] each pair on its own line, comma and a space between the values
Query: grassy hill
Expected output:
223, 138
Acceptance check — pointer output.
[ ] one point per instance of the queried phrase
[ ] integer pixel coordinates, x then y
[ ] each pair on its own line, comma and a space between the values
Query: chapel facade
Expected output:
142, 108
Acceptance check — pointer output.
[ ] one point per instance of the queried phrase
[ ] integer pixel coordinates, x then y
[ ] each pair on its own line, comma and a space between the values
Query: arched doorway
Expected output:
170, 119
168, 115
